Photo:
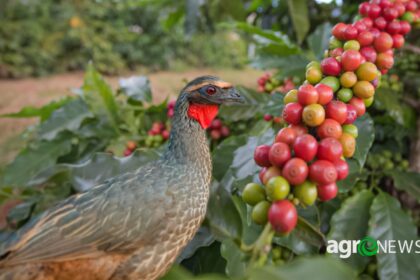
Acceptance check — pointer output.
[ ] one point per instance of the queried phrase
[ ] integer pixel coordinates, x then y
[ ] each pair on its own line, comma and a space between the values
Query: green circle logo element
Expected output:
367, 247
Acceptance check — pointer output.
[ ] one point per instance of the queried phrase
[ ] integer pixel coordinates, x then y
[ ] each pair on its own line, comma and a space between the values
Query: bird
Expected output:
132, 226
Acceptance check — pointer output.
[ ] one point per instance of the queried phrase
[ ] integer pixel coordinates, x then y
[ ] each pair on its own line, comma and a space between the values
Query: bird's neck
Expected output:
188, 143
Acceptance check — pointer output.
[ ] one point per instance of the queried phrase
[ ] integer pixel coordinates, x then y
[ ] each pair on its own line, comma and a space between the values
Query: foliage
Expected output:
42, 37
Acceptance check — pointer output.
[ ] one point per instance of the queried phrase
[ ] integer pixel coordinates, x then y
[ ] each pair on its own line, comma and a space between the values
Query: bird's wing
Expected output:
112, 217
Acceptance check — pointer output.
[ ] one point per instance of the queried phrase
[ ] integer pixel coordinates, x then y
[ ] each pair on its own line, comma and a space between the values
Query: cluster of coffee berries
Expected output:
307, 158
267, 83
275, 119
157, 134
130, 146
170, 109
218, 130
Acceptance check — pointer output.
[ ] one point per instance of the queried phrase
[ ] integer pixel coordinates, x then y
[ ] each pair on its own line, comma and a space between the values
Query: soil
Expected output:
16, 94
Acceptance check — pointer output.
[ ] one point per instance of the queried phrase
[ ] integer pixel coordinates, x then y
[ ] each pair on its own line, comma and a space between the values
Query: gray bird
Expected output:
132, 226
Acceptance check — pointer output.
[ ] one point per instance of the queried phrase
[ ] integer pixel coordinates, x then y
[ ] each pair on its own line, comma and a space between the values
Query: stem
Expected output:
262, 246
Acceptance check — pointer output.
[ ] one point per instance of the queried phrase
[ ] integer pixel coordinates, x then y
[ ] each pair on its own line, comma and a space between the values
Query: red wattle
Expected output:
203, 113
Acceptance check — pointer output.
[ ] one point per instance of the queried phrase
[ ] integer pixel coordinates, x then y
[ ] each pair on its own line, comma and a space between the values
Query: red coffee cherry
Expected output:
329, 149
292, 113
329, 128
286, 135
336, 110
261, 155
322, 172
325, 94
279, 153
305, 147
342, 168
283, 216
327, 192
295, 171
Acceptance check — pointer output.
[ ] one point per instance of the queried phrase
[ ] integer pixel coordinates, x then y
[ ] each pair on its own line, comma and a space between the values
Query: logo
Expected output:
367, 247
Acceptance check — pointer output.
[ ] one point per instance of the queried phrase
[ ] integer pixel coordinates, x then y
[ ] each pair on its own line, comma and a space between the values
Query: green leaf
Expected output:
269, 35
389, 222
69, 117
299, 13
222, 214
407, 181
223, 155
178, 272
350, 222
43, 112
99, 96
365, 139
137, 88
100, 167
390, 101
34, 159
315, 268
293, 65
235, 264
202, 238
318, 41
206, 260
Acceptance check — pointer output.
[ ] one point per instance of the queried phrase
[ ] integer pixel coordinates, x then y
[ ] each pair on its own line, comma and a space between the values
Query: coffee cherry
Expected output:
327, 192
330, 149
307, 94
330, 66
364, 8
305, 147
380, 23
383, 42
259, 212
313, 115
271, 172
261, 155
300, 129
336, 52
351, 114
348, 79
350, 60
359, 105
349, 144
261, 174
268, 117
405, 27
166, 134
390, 14
295, 171
336, 110
292, 113
131, 145
279, 153
283, 216
253, 194
385, 61
400, 8
225, 131
329, 128
351, 129
215, 134
360, 26
352, 45
325, 94
368, 101
322, 172
369, 54
338, 30
306, 193
398, 41
368, 22
332, 82
344, 94
127, 152
365, 38
374, 11
411, 6
363, 89
350, 33
367, 72
313, 75
286, 135
342, 169
393, 27
291, 97
277, 188
216, 124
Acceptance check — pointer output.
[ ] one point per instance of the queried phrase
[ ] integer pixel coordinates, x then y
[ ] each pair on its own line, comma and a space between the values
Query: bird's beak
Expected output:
231, 95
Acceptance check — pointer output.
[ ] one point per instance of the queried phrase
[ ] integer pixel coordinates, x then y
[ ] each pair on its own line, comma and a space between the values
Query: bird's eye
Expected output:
211, 90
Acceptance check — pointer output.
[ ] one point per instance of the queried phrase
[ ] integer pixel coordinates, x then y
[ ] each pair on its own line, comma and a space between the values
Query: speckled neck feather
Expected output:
188, 141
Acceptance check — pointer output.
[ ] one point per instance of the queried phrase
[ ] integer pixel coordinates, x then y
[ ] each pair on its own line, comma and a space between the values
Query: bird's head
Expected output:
205, 94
